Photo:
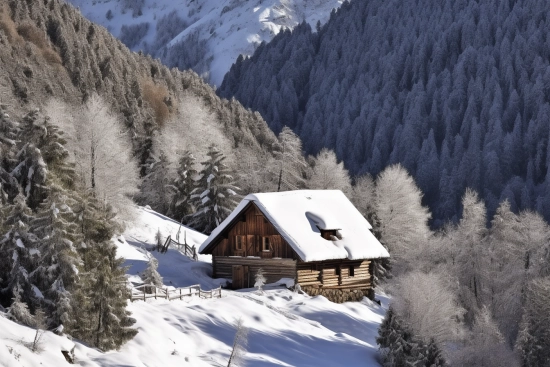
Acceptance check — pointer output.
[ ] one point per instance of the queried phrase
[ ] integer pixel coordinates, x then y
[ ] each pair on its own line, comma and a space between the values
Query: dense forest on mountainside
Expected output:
49, 50
456, 91
84, 127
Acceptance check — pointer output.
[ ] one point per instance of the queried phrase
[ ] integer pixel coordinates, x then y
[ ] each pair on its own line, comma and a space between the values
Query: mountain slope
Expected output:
457, 92
206, 36
50, 51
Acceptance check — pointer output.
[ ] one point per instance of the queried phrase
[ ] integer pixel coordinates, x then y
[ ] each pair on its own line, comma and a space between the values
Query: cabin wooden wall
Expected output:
274, 269
335, 274
253, 226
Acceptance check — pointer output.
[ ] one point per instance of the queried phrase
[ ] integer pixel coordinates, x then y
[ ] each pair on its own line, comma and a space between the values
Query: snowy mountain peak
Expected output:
204, 35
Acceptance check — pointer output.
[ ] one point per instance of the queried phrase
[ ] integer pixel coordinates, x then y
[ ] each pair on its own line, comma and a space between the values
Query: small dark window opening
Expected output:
351, 271
337, 271
265, 244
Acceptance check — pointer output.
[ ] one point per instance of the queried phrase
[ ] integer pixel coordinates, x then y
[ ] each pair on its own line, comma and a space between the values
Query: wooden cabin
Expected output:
316, 237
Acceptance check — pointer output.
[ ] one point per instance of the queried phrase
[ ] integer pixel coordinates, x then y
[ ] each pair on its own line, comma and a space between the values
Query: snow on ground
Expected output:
229, 27
285, 328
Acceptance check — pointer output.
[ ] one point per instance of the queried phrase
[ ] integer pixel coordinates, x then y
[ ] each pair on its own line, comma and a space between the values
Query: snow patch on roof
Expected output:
296, 214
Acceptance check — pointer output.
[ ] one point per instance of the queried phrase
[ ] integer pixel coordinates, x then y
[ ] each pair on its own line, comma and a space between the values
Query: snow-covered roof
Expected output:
299, 215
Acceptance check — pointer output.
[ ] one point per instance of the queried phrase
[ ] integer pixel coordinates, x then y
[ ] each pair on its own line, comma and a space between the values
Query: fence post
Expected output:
143, 294
180, 294
155, 292
168, 298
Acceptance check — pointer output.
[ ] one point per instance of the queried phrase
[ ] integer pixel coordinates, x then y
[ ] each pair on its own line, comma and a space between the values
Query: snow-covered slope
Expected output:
215, 31
285, 328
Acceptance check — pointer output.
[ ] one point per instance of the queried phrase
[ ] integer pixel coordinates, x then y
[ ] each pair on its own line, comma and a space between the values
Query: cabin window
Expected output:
265, 244
337, 271
351, 271
239, 242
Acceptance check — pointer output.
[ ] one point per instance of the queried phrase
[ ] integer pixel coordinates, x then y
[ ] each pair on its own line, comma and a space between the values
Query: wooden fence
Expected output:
187, 250
145, 291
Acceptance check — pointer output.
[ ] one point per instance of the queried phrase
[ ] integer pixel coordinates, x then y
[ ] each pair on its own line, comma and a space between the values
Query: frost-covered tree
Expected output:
155, 190
534, 332
328, 173
19, 255
31, 170
19, 312
403, 220
364, 199
259, 279
516, 247
214, 195
239, 344
289, 163
469, 254
9, 132
429, 305
151, 275
485, 346
101, 149
57, 267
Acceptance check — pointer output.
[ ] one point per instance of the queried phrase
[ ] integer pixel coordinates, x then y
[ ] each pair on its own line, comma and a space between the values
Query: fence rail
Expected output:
187, 250
145, 291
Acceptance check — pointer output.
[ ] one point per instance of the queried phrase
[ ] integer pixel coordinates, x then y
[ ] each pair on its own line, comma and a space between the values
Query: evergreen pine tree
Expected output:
155, 188
99, 312
57, 268
182, 186
18, 249
31, 170
9, 130
432, 356
214, 193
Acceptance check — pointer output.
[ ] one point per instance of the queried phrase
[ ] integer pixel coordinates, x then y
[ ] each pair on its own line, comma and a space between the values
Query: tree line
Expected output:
466, 294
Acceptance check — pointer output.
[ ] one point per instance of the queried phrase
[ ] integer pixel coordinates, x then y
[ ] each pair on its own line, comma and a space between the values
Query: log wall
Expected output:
336, 274
274, 269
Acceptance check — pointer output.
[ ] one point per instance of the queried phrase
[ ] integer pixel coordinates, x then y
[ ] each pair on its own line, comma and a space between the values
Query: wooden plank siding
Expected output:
335, 274
252, 226
274, 269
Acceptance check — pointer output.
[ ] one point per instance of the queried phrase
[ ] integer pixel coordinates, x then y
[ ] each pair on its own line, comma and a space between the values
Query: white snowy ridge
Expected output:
228, 27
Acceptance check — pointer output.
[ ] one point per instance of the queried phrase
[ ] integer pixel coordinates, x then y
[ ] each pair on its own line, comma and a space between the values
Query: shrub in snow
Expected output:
239, 344
158, 239
150, 274
400, 347
260, 279
19, 311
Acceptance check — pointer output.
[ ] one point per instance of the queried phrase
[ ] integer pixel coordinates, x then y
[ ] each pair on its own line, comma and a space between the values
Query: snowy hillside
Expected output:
285, 328
206, 35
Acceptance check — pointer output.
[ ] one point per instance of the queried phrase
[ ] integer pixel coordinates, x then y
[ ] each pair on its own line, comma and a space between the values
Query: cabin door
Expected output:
240, 277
